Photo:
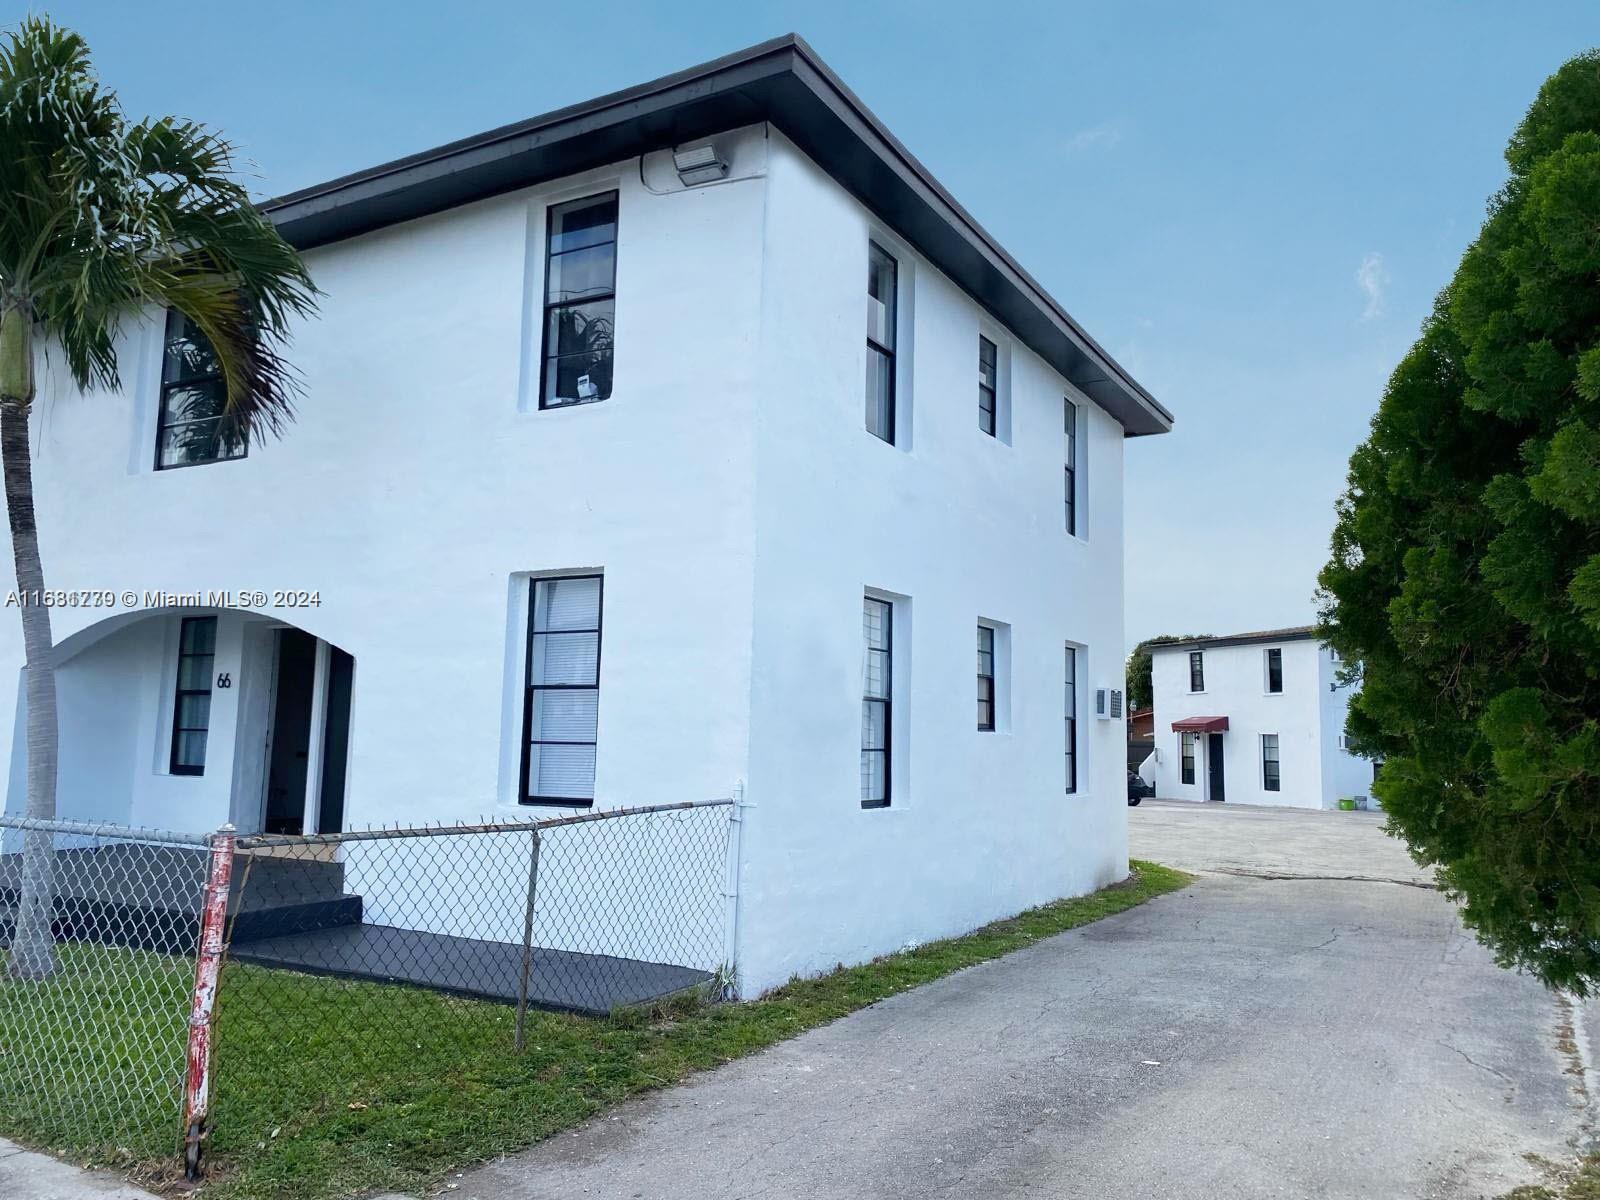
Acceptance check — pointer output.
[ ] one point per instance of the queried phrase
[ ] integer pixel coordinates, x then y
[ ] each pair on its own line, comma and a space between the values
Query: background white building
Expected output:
585, 504
1253, 718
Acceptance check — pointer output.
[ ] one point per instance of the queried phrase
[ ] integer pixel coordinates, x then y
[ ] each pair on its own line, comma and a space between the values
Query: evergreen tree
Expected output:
1464, 584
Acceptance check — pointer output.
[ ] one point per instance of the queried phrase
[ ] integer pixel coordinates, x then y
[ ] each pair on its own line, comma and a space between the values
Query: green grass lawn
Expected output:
371, 1087
1579, 1180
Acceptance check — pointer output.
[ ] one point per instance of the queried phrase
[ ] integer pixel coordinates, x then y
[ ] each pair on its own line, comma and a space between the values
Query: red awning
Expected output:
1200, 725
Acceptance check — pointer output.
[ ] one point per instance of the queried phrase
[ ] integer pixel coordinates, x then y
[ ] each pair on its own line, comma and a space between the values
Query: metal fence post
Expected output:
527, 940
730, 920
202, 1002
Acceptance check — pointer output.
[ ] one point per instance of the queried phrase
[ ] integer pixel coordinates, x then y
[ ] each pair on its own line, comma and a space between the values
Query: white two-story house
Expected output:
1254, 718
683, 440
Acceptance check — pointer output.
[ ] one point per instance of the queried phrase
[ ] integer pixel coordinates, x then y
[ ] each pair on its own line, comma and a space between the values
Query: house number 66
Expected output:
225, 680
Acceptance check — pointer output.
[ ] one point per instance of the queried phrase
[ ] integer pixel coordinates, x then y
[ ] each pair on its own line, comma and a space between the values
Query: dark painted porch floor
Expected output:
559, 980
297, 914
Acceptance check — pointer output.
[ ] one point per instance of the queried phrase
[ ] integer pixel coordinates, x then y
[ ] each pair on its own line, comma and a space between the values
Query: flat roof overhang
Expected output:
783, 82
1201, 725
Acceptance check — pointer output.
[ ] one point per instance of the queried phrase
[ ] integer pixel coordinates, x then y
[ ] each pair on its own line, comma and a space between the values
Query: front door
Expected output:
1214, 765
289, 756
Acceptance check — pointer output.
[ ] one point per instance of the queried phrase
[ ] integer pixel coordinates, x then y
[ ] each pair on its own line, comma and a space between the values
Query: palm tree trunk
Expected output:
32, 945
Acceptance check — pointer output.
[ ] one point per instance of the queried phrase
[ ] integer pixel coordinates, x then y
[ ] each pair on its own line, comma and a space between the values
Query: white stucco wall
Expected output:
966, 527
736, 506
1343, 773
1307, 716
416, 491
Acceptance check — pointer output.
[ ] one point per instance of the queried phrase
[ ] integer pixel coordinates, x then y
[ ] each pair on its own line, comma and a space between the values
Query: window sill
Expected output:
532, 408
896, 445
204, 462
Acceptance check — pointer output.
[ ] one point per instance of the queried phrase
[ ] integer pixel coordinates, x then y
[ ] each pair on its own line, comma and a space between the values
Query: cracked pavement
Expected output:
1249, 1037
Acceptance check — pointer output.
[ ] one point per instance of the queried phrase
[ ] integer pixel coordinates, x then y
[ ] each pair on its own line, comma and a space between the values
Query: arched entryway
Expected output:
186, 718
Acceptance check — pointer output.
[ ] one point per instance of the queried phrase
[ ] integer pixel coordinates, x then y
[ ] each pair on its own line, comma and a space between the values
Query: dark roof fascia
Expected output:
783, 82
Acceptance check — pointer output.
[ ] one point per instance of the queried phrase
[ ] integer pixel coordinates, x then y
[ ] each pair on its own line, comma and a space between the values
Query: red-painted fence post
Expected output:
202, 1002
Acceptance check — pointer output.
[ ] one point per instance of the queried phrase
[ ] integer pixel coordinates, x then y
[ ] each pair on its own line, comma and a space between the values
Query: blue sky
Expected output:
1251, 205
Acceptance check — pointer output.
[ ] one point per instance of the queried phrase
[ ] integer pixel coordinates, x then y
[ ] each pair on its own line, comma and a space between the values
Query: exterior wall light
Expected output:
699, 164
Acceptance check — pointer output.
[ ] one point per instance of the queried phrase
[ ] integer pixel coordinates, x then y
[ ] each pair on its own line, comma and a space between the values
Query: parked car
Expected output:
1138, 789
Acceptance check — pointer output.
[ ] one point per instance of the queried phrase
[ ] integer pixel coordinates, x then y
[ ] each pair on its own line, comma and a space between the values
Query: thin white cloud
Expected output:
1372, 277
1099, 137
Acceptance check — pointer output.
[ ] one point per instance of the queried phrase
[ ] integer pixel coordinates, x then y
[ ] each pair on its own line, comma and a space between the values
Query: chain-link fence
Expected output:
355, 963
98, 924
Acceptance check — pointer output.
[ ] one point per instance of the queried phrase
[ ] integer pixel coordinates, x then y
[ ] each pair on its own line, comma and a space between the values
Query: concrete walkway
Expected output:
26, 1175
1244, 1038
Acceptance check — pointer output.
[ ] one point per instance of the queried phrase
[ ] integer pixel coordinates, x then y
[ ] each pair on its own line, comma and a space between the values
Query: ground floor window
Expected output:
191, 712
562, 705
1269, 762
1186, 757
877, 680
1070, 706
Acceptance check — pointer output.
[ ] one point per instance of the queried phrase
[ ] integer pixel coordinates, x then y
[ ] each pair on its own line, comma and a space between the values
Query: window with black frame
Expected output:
580, 301
988, 384
882, 295
1070, 422
1070, 706
191, 706
562, 706
877, 680
1269, 762
193, 425
1197, 671
985, 678
1186, 757
1275, 670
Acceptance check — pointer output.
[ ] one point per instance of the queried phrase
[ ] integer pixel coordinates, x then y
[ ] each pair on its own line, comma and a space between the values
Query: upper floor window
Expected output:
561, 708
1270, 778
1197, 671
193, 425
1274, 670
580, 301
988, 385
877, 680
191, 707
1070, 411
882, 292
986, 678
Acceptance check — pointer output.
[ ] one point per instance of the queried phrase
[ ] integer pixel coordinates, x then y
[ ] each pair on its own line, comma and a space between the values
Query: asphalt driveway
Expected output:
1247, 1037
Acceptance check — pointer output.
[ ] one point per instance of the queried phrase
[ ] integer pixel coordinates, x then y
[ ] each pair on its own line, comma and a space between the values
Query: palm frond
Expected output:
100, 217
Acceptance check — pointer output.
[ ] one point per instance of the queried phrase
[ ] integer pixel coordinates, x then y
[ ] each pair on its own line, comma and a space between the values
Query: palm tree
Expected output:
102, 219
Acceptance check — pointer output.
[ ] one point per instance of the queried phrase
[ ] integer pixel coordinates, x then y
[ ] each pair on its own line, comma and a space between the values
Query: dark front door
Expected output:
1214, 765
335, 742
290, 754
